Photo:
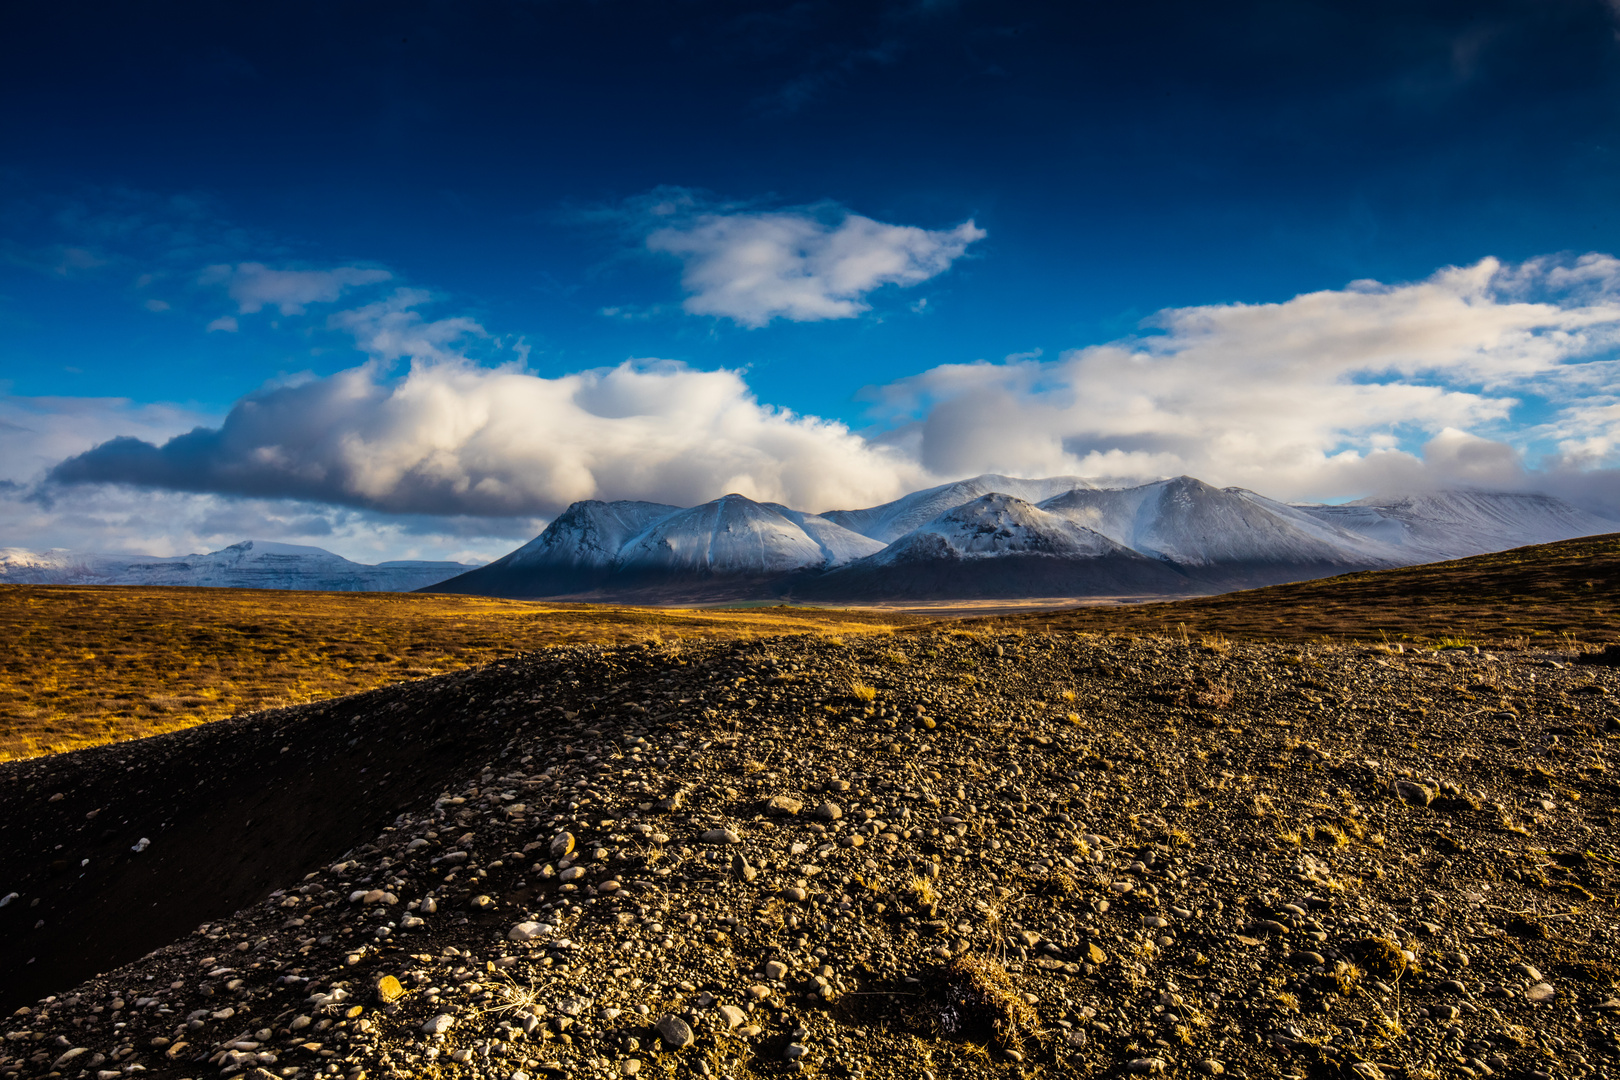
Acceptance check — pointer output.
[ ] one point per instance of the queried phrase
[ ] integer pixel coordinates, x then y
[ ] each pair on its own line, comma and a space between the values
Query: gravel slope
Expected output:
1024, 855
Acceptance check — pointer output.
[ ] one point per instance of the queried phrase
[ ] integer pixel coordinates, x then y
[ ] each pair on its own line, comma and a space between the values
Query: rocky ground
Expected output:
928, 855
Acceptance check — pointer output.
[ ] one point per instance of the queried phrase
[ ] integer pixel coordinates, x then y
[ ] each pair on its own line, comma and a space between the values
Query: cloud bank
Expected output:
1488, 375
255, 286
752, 267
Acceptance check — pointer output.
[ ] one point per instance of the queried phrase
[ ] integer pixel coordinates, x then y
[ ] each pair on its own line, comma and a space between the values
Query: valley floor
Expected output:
945, 854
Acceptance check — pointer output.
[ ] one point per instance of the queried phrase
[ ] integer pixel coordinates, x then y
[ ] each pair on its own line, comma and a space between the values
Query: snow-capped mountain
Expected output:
252, 564
997, 546
893, 520
730, 543
1440, 525
1225, 535
998, 536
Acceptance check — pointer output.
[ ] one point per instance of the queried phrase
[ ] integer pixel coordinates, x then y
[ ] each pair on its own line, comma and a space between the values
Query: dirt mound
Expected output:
1005, 855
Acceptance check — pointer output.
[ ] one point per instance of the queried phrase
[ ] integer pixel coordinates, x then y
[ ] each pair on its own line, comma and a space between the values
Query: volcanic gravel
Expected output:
941, 854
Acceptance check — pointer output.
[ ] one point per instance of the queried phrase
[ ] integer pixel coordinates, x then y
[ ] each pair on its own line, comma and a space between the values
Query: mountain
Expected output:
1222, 537
997, 536
997, 546
732, 546
252, 564
893, 520
1437, 525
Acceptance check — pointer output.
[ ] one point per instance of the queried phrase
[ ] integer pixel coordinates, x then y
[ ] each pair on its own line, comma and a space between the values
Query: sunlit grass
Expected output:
90, 665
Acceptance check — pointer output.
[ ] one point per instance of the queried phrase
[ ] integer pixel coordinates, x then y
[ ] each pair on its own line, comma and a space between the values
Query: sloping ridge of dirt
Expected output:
229, 811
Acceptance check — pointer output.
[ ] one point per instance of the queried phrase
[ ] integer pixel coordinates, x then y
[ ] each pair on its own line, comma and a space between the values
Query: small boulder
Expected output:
676, 1033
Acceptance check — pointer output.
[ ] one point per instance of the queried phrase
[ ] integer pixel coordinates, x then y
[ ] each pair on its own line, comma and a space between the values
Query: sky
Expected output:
404, 280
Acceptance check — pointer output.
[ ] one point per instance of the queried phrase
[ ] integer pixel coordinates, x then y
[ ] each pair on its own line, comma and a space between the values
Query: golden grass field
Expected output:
86, 665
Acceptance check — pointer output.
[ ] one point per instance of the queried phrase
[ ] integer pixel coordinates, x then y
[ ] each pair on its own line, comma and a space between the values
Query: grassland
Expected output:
84, 666
1550, 595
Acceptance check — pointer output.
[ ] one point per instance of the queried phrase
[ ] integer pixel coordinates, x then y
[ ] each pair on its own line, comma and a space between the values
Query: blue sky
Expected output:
425, 273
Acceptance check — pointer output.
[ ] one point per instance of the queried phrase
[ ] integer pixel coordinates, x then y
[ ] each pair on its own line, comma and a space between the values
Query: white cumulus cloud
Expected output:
752, 267
1327, 393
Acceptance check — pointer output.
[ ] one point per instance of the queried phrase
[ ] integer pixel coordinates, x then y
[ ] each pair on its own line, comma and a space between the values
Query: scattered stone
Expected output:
720, 836
439, 1024
676, 1033
783, 805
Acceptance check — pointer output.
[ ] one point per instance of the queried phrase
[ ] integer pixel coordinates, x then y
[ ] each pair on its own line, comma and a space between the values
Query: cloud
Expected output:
225, 323
755, 266
255, 286
1332, 392
1487, 375
451, 437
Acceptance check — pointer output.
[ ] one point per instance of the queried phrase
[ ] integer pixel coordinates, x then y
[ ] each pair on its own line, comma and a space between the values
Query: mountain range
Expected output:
252, 564
1003, 537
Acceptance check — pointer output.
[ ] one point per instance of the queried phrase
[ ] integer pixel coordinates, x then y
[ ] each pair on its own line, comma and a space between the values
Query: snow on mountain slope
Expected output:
1454, 524
595, 546
252, 564
997, 546
892, 520
1193, 524
589, 533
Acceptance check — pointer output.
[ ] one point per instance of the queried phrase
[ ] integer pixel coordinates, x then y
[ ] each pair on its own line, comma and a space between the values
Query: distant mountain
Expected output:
732, 546
1438, 525
997, 546
997, 536
893, 520
252, 564
1222, 537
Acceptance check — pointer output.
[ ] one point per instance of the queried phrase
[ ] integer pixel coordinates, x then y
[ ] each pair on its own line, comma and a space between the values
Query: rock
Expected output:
1540, 992
720, 836
676, 1033
573, 873
1530, 972
829, 811
1145, 1066
526, 931
1210, 1067
1407, 791
77, 1051
795, 894
795, 1050
1097, 955
776, 971
784, 805
1366, 1070
741, 868
389, 990
609, 887
439, 1024
733, 1016
759, 991
562, 845
481, 903
630, 1067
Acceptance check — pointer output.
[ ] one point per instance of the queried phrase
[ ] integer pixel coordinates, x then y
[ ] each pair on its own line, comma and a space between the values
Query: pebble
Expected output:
733, 1016
526, 931
573, 873
1211, 1067
784, 805
776, 971
829, 811
439, 1024
1145, 1066
562, 845
1540, 992
389, 990
720, 836
676, 1033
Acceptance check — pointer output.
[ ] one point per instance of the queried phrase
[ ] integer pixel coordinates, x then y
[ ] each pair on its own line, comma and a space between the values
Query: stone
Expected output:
1145, 1066
795, 1050
562, 845
676, 1033
526, 931
1408, 792
439, 1024
1210, 1067
389, 990
783, 805
776, 971
1097, 955
630, 1067
829, 811
720, 836
759, 991
573, 873
795, 894
741, 868
734, 1017
1530, 972
1540, 992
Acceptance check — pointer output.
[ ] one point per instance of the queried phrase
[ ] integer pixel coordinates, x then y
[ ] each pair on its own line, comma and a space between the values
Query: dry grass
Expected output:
1549, 595
87, 665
